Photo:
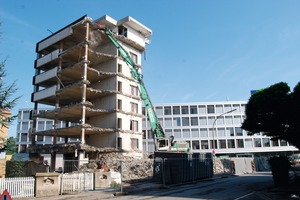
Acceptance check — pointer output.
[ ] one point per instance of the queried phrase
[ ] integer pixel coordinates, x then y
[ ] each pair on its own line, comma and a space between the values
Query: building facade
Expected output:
93, 98
213, 127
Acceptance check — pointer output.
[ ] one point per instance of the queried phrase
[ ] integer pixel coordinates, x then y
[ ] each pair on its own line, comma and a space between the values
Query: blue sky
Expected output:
201, 50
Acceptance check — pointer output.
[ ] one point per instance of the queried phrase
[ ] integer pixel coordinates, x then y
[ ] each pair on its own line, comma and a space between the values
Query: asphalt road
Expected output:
250, 186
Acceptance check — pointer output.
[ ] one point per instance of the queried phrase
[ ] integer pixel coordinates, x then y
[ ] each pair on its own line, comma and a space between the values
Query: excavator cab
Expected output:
163, 144
168, 144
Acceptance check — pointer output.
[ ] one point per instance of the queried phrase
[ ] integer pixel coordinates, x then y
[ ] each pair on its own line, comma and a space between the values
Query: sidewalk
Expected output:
100, 194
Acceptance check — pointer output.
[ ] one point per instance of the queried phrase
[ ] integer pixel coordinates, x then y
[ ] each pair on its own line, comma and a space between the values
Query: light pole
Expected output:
214, 131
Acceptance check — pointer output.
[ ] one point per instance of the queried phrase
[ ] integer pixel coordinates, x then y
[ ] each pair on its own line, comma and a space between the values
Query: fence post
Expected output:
163, 171
121, 169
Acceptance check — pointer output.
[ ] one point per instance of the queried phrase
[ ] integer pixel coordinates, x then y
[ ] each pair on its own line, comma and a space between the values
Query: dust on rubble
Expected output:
130, 167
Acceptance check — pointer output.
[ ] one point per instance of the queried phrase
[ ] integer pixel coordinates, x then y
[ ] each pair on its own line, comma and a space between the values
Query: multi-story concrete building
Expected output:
80, 76
212, 127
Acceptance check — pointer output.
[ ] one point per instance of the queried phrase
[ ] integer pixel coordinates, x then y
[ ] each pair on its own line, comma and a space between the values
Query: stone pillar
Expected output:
47, 184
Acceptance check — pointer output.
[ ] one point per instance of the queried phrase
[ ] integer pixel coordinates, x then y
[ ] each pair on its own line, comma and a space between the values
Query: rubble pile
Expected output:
132, 168
223, 166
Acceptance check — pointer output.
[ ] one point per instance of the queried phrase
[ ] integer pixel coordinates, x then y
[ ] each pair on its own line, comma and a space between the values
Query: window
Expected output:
168, 132
25, 126
204, 144
219, 109
240, 143
212, 132
19, 114
227, 108
238, 131
195, 133
150, 134
194, 121
160, 120
203, 132
122, 31
23, 148
59, 124
40, 138
167, 110
220, 120
248, 143
134, 57
237, 107
202, 121
185, 121
143, 111
119, 122
186, 133
266, 142
221, 132
23, 137
134, 143
177, 133
119, 86
283, 143
230, 144
257, 142
193, 109
134, 107
119, 68
195, 144
202, 109
211, 120
229, 132
243, 108
176, 110
133, 125
222, 144
184, 110
275, 143
26, 114
176, 121
119, 104
213, 144
237, 119
119, 142
168, 122
144, 134
40, 126
49, 125
159, 110
48, 139
210, 109
228, 119
134, 90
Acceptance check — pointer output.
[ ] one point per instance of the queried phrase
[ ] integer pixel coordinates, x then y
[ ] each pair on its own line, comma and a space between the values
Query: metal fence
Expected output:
76, 182
182, 170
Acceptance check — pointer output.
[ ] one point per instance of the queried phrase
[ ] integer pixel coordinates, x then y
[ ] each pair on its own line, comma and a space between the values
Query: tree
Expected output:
7, 102
275, 111
11, 147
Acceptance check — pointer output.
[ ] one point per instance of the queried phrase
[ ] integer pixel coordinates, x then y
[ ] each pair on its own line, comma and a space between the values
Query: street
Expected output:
242, 187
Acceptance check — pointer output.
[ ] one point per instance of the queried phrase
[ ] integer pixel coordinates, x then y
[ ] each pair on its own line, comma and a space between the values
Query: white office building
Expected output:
212, 127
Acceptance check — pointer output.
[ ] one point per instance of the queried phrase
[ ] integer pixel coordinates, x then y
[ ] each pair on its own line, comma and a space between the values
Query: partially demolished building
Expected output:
94, 100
